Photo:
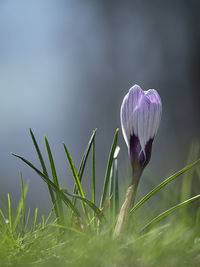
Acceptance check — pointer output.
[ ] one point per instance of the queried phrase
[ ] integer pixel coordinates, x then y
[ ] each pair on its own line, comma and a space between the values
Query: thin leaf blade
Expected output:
169, 211
55, 179
44, 169
162, 184
77, 181
97, 211
50, 183
108, 170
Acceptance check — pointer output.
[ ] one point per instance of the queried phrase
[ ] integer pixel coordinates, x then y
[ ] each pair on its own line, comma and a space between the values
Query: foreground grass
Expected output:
83, 235
174, 243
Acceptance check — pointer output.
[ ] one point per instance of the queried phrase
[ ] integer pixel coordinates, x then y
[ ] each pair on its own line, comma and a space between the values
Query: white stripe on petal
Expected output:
128, 112
143, 122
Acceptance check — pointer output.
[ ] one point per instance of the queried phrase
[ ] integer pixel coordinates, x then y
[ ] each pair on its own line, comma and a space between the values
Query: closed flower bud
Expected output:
140, 118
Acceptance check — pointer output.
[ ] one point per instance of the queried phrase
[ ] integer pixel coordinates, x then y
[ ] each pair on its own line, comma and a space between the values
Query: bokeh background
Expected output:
65, 67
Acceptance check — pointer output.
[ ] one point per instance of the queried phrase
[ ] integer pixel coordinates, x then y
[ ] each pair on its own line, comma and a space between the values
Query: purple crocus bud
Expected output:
140, 118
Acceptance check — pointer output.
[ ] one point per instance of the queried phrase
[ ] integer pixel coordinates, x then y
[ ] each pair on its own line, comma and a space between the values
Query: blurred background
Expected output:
65, 67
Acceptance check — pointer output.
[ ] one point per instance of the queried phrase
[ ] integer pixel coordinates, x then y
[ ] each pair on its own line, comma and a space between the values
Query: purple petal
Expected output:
129, 112
138, 158
140, 118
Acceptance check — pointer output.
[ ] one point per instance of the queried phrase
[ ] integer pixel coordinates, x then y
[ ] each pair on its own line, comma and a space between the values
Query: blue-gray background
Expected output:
65, 67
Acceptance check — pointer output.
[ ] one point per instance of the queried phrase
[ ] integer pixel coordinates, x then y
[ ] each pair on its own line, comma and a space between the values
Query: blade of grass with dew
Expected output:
108, 170
44, 169
50, 183
21, 207
161, 185
55, 179
77, 181
5, 220
169, 211
83, 162
97, 211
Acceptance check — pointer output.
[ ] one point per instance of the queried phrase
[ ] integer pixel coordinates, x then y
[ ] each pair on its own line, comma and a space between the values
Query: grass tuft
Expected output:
167, 239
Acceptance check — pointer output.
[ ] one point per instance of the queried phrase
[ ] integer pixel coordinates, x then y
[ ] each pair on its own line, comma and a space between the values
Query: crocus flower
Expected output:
140, 118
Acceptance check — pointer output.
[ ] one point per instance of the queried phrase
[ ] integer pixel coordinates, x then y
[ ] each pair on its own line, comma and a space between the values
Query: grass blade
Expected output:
44, 169
27, 219
23, 203
161, 185
114, 193
50, 183
97, 211
51, 161
55, 179
21, 207
48, 218
83, 162
77, 181
6, 221
85, 155
108, 170
35, 219
93, 174
39, 153
187, 177
67, 228
10, 214
169, 211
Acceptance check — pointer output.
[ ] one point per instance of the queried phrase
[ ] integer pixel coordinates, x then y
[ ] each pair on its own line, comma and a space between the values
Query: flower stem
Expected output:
123, 219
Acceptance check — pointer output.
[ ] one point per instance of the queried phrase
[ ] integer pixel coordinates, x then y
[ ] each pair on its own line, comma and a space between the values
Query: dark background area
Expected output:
65, 67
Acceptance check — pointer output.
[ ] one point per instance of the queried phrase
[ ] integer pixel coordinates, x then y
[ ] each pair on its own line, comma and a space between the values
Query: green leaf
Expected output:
39, 153
161, 185
44, 169
55, 179
21, 207
5, 220
83, 162
108, 170
169, 211
10, 214
85, 155
97, 211
66, 228
114, 193
48, 218
51, 161
93, 173
77, 181
35, 219
23, 202
50, 183
187, 177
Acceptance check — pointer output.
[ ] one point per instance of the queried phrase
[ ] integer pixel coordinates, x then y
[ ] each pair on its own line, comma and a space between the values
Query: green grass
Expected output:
75, 236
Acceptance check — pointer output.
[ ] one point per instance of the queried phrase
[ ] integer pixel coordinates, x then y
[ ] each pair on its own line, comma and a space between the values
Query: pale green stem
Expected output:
122, 222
